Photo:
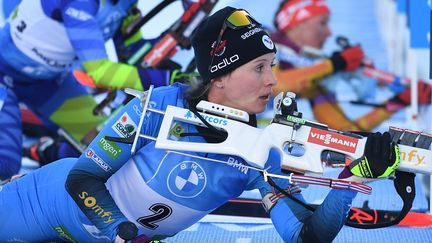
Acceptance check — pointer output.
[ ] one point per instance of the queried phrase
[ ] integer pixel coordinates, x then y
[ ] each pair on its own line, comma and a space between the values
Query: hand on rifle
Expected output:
403, 99
380, 159
347, 60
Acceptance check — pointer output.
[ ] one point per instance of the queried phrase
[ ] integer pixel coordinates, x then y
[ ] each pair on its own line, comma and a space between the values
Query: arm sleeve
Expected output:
112, 75
293, 221
325, 108
87, 39
298, 80
296, 224
86, 180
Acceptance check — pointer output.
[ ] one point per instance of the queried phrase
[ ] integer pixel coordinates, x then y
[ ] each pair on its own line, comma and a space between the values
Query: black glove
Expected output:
347, 60
381, 157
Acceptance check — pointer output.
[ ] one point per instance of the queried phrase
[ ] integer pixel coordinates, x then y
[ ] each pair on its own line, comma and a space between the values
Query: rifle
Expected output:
289, 129
158, 53
179, 33
394, 82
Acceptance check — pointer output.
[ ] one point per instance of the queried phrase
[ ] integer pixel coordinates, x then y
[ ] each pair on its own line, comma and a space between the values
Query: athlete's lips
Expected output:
264, 97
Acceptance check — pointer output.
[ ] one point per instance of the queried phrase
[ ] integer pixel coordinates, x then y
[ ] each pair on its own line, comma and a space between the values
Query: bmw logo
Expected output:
187, 180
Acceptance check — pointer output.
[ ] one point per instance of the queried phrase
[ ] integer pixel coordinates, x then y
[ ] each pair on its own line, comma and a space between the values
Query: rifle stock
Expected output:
254, 144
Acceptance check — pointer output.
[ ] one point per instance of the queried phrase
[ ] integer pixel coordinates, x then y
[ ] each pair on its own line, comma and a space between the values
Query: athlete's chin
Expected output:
259, 107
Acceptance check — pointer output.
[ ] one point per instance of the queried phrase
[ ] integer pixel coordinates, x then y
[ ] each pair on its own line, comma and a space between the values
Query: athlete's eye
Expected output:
260, 68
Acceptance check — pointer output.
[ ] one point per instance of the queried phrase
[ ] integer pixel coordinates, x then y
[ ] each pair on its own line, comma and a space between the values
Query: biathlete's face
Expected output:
312, 32
249, 86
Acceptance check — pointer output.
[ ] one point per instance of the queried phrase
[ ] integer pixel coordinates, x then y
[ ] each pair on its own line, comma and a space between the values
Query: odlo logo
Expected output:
111, 148
125, 126
224, 63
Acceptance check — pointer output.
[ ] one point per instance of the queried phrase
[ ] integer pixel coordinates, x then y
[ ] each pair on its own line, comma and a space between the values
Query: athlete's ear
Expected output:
218, 82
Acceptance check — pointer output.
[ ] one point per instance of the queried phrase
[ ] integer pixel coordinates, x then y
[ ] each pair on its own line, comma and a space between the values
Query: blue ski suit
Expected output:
161, 192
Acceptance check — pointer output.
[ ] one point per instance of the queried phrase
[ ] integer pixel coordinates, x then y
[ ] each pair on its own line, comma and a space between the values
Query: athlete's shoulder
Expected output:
169, 95
174, 88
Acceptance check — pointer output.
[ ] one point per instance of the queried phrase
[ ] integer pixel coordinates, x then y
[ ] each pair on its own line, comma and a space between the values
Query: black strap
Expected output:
405, 187
128, 140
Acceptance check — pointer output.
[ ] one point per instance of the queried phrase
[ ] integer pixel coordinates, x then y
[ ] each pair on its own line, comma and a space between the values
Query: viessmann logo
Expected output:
333, 140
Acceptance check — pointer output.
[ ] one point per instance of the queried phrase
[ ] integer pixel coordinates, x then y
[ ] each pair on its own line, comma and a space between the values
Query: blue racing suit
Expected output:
40, 42
161, 192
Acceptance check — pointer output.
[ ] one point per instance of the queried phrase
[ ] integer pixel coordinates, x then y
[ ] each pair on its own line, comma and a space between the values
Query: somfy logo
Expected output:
224, 63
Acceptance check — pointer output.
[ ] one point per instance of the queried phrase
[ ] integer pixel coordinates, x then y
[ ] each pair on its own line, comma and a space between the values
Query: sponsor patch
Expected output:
413, 156
238, 165
91, 203
224, 63
78, 14
187, 180
333, 140
268, 42
110, 148
250, 33
124, 126
93, 156
176, 131
219, 50
210, 119
64, 233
